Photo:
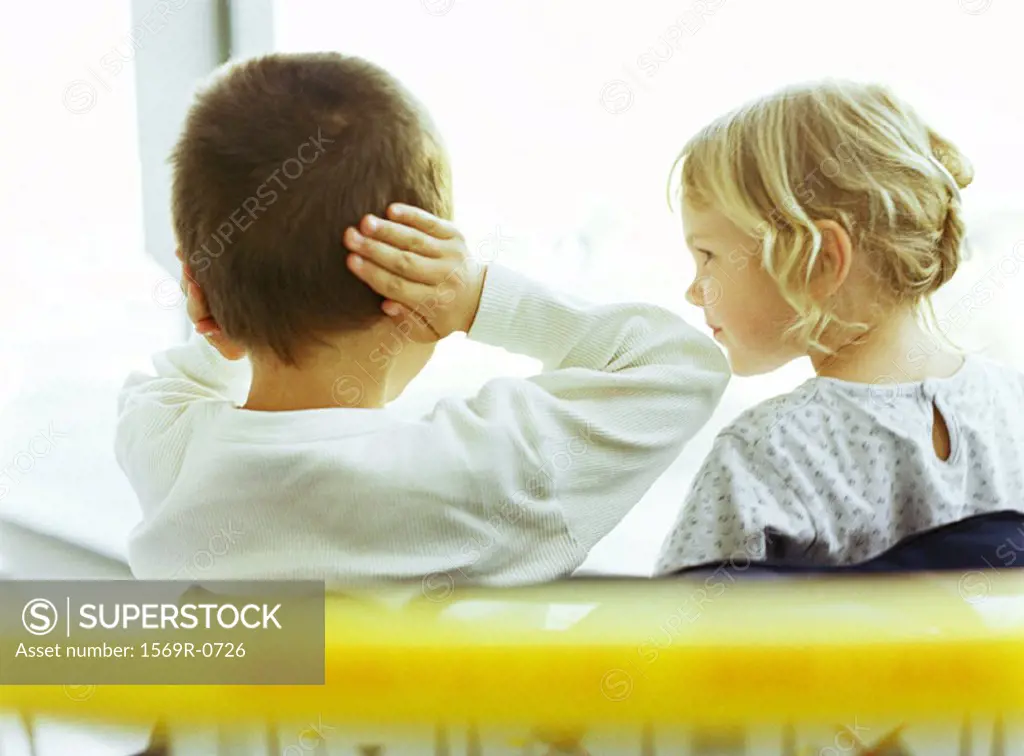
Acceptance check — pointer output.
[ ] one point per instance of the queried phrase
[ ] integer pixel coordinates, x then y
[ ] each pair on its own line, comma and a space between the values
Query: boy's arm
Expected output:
574, 448
150, 405
187, 372
547, 466
208, 366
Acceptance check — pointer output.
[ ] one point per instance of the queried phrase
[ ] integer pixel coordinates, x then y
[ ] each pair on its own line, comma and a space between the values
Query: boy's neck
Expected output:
895, 350
328, 380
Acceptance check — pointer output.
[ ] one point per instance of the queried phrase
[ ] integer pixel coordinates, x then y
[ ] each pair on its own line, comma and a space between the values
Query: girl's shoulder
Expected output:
995, 374
822, 410
802, 409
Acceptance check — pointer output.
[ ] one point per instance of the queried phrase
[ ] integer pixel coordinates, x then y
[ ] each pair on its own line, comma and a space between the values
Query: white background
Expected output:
530, 95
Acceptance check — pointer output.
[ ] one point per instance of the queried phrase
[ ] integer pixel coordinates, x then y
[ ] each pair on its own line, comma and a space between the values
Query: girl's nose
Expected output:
694, 294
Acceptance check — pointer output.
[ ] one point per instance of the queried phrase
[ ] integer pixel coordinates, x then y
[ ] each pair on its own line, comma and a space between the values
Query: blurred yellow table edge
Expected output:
923, 648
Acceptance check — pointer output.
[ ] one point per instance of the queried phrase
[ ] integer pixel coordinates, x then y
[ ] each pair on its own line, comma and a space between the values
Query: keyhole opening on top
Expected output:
940, 434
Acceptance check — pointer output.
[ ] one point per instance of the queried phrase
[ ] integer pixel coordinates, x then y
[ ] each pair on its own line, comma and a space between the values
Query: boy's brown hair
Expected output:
276, 159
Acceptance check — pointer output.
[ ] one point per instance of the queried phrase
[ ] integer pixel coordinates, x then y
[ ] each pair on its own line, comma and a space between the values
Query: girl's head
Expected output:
815, 214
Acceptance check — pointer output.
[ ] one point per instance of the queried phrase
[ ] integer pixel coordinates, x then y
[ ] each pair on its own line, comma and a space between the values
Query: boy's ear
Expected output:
834, 261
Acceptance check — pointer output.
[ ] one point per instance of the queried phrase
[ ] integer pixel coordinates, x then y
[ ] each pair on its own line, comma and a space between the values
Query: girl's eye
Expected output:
705, 254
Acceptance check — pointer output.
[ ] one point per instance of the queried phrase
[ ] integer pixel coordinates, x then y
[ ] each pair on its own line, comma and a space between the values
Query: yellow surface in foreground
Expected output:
625, 652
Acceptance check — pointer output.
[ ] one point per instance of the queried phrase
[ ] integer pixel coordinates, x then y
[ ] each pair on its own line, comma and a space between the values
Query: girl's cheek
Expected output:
712, 291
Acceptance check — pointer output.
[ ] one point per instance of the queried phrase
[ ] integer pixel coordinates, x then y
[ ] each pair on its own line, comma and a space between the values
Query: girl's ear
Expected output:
834, 261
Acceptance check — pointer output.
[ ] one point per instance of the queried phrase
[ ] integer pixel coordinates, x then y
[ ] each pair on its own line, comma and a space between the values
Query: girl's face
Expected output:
742, 304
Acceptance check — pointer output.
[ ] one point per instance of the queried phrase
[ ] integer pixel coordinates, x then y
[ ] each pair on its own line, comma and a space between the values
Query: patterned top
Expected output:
837, 472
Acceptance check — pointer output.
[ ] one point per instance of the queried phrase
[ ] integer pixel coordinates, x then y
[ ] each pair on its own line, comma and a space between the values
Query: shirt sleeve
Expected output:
744, 504
512, 485
158, 412
569, 452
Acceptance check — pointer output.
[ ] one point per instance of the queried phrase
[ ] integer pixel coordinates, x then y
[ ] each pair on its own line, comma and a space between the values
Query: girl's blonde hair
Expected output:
841, 151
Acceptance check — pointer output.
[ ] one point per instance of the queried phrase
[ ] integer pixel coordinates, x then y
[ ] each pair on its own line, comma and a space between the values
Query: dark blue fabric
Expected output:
994, 540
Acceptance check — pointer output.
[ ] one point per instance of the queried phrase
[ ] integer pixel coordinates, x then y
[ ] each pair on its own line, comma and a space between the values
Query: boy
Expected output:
262, 449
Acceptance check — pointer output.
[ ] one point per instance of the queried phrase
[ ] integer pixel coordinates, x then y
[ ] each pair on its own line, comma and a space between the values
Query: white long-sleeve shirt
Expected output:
512, 486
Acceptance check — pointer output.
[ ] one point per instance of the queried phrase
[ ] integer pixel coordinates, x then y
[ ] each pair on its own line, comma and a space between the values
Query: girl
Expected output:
821, 219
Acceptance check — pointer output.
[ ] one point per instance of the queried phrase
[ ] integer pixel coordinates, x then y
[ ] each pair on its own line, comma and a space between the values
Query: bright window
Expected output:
81, 301
562, 118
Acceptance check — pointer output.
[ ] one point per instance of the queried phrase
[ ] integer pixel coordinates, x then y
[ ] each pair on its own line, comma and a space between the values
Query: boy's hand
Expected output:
420, 264
199, 314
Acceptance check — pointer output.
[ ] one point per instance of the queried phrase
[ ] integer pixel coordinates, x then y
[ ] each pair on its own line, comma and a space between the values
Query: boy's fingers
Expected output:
401, 236
410, 265
403, 291
418, 218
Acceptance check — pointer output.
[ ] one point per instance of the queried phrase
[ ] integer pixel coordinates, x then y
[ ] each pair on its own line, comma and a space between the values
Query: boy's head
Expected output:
279, 155
817, 211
